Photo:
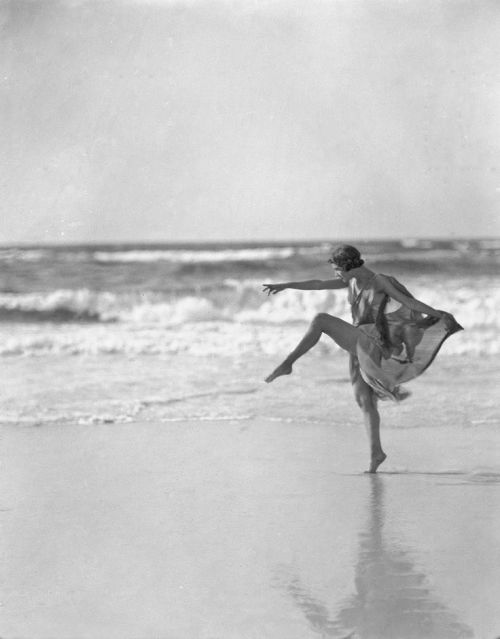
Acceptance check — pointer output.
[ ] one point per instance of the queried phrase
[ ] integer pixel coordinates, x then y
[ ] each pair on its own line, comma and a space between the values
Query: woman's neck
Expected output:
361, 275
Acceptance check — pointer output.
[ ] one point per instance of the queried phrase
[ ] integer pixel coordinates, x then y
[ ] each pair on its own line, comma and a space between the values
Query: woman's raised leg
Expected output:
342, 333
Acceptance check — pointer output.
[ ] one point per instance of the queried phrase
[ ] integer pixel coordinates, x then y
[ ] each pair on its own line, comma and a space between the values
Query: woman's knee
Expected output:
320, 319
365, 399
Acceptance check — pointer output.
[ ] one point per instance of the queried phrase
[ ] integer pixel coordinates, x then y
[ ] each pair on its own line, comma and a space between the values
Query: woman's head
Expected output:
346, 257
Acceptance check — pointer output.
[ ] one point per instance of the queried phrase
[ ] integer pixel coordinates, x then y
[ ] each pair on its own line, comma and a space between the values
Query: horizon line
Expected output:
247, 242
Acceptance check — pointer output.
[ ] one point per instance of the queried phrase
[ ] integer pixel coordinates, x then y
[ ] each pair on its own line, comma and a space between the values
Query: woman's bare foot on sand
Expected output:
375, 462
283, 369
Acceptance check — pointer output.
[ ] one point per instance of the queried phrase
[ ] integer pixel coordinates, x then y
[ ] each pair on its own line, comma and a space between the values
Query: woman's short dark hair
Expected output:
347, 257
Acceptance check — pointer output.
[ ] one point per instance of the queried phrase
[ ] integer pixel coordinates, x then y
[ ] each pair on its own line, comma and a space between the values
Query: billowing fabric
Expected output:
396, 344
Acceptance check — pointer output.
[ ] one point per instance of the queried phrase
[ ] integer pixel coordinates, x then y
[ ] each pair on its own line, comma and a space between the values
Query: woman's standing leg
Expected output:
367, 401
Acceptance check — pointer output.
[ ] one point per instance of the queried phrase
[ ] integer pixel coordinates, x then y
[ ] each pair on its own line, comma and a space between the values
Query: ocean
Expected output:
154, 485
108, 333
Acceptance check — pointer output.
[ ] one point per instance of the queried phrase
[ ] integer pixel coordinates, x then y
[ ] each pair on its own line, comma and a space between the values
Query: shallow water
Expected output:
455, 390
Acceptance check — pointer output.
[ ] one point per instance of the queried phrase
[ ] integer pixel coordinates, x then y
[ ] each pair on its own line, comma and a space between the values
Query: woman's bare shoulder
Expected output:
380, 281
390, 285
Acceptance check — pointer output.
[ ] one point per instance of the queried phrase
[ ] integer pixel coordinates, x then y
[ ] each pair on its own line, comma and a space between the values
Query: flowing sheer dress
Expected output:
396, 344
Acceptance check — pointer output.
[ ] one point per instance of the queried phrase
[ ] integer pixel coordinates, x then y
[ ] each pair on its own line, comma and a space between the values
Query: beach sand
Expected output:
256, 529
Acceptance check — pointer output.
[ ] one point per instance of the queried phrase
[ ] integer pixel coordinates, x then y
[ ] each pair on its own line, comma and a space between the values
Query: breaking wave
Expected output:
233, 301
227, 319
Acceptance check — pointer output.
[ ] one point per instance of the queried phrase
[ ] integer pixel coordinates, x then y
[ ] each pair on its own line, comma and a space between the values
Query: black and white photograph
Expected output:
249, 319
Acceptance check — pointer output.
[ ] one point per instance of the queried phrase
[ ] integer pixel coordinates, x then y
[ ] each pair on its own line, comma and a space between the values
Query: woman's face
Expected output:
340, 273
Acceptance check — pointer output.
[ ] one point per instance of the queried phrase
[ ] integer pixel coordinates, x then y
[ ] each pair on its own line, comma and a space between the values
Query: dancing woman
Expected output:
393, 339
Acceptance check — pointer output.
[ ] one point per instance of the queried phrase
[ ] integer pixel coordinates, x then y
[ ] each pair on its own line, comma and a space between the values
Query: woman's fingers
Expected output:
450, 322
446, 317
270, 289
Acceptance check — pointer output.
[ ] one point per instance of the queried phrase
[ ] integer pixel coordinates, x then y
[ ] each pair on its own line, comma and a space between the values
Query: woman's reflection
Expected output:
392, 598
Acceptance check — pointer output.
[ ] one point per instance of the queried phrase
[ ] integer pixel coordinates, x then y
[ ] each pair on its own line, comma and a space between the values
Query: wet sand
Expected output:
231, 530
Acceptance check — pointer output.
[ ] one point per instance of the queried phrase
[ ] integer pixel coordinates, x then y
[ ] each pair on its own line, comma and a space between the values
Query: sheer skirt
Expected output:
405, 351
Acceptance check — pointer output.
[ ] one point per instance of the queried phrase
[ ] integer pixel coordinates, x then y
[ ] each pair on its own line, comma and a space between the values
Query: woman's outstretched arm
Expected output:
308, 285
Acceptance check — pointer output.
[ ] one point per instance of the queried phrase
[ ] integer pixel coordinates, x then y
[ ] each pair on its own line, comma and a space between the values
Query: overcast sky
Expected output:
217, 120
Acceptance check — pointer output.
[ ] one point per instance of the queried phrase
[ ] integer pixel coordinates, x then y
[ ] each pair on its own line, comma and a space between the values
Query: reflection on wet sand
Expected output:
392, 599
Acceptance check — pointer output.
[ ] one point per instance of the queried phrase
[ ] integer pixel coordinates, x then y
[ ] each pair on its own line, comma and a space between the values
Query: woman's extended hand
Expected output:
272, 289
450, 322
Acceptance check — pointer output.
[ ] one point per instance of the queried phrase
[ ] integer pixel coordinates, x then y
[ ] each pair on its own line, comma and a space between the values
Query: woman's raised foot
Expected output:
283, 369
